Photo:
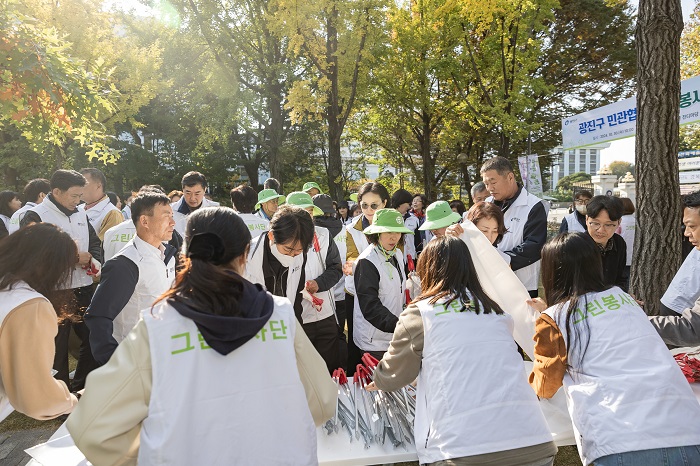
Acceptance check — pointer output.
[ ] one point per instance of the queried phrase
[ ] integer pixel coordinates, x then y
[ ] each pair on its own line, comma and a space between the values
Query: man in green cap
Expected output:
438, 217
312, 188
268, 201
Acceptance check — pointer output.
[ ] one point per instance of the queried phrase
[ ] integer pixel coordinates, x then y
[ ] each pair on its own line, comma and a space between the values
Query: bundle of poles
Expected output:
372, 416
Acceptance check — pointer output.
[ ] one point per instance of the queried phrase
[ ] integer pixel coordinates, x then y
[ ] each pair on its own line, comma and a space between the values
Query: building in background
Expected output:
572, 161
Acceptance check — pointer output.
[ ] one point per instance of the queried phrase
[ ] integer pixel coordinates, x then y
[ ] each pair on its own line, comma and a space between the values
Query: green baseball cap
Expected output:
439, 215
267, 195
387, 221
303, 200
311, 184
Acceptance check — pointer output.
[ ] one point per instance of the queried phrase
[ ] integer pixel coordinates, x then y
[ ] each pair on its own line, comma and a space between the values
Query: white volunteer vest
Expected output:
515, 218
409, 243
254, 267
628, 228
257, 225
341, 241
471, 371
18, 216
77, 227
248, 407
155, 278
181, 219
628, 393
97, 213
573, 224
9, 300
315, 266
684, 289
392, 284
361, 243
117, 237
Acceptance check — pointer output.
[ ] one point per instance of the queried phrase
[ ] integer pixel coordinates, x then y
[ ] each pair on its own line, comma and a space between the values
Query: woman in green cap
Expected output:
438, 217
268, 202
380, 283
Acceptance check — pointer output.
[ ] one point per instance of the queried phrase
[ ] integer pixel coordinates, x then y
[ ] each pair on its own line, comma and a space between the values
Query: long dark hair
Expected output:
42, 256
445, 268
5, 198
214, 237
571, 268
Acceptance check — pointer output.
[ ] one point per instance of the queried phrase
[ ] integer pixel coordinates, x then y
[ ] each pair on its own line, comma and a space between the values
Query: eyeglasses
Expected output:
369, 206
289, 251
582, 201
598, 226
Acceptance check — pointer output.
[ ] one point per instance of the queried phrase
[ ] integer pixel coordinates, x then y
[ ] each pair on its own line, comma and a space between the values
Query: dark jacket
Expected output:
614, 259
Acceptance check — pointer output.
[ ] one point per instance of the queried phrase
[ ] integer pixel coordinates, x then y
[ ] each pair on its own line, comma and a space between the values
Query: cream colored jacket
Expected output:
106, 425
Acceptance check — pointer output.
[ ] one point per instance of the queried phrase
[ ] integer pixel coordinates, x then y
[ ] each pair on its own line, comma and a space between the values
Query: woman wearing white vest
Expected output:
29, 304
322, 272
370, 198
452, 337
34, 193
218, 372
9, 204
628, 399
380, 283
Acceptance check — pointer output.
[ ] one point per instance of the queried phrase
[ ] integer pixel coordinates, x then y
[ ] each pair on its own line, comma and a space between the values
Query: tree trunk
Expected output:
333, 110
428, 162
276, 131
657, 245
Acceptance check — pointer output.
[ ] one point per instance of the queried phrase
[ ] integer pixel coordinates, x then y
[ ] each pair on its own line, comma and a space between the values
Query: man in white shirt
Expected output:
34, 193
194, 188
525, 218
243, 199
102, 214
134, 278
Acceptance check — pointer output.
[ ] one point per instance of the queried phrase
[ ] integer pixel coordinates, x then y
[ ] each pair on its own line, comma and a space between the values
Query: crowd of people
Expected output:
199, 324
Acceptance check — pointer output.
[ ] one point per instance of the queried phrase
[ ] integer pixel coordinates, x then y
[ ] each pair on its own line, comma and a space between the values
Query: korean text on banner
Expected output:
530, 173
619, 120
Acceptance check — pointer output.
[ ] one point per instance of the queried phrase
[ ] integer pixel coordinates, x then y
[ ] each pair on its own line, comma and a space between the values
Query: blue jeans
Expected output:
674, 456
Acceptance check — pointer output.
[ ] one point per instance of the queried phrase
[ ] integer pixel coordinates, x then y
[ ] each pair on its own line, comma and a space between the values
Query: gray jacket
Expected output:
680, 330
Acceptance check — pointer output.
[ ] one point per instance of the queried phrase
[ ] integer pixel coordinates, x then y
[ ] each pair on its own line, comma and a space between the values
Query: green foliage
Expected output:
620, 168
45, 91
567, 183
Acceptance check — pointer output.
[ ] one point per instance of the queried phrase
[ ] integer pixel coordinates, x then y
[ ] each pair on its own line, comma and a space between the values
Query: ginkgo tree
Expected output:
51, 96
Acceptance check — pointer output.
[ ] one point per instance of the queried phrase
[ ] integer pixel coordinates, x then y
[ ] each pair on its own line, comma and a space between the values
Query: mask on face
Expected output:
581, 209
283, 259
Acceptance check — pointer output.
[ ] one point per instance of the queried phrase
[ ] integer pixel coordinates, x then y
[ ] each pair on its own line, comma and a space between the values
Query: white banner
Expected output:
530, 173
619, 120
689, 164
690, 177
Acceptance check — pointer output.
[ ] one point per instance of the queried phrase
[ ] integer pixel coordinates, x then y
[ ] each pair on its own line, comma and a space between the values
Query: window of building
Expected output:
572, 161
594, 162
582, 160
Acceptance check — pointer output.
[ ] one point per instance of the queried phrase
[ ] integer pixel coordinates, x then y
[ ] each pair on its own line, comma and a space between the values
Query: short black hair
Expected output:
66, 179
35, 188
692, 200
96, 175
501, 164
144, 202
272, 183
193, 178
292, 223
244, 199
612, 205
152, 187
583, 193
113, 197
400, 197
